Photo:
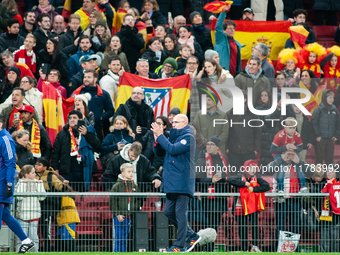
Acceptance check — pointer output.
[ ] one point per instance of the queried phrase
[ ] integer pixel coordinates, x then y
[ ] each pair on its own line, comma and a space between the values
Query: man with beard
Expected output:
42, 33
248, 14
29, 24
58, 25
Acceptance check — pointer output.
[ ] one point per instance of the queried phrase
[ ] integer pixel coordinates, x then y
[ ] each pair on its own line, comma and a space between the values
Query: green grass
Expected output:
154, 253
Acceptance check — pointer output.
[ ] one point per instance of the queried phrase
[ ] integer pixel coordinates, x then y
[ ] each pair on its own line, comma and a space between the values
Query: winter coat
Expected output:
173, 54
28, 208
122, 57
146, 173
306, 132
119, 204
326, 123
56, 183
7, 167
179, 164
268, 69
109, 83
6, 93
66, 41
157, 18
60, 63
52, 13
8, 111
23, 31
150, 55
10, 41
61, 158
74, 61
111, 140
202, 36
222, 45
260, 9
243, 140
41, 38
4, 17
181, 63
132, 42
326, 5
243, 81
25, 157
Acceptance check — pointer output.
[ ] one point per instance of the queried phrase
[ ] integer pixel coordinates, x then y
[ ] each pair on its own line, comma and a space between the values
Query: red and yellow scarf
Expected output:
35, 137
209, 163
74, 146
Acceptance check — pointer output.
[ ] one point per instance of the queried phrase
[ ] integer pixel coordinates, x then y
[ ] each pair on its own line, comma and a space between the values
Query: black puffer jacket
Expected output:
11, 42
66, 41
41, 39
326, 5
25, 157
157, 18
306, 132
203, 37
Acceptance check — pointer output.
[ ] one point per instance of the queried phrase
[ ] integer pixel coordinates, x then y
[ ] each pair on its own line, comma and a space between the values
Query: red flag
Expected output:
298, 34
216, 6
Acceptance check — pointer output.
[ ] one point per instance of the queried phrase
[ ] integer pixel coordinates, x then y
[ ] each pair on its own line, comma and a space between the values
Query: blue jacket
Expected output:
222, 45
7, 168
111, 140
74, 61
179, 161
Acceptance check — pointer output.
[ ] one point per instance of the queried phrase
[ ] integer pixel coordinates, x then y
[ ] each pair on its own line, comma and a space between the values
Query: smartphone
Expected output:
80, 123
123, 142
16, 115
169, 16
45, 68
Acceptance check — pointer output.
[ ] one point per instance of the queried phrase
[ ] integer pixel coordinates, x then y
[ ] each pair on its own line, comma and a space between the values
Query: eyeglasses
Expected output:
210, 144
176, 122
137, 93
168, 66
191, 63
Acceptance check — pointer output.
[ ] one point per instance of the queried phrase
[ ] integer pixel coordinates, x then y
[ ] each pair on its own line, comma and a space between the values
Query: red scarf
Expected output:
35, 137
74, 146
209, 163
326, 213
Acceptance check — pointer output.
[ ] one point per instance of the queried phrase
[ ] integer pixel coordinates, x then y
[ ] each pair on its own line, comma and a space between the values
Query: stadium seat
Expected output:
95, 201
324, 33
106, 223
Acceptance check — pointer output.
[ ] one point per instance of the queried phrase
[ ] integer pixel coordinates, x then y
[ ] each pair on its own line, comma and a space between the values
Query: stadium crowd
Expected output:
84, 55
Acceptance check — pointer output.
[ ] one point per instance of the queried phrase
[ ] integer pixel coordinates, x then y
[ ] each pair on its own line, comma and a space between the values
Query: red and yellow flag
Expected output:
53, 106
162, 95
272, 33
67, 9
313, 102
216, 6
298, 34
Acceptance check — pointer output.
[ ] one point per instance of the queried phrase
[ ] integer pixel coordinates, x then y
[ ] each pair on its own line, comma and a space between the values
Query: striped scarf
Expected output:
25, 57
209, 163
74, 146
35, 137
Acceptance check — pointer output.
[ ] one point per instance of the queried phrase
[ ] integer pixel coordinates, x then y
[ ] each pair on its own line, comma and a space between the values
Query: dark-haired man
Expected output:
70, 39
42, 33
29, 24
11, 40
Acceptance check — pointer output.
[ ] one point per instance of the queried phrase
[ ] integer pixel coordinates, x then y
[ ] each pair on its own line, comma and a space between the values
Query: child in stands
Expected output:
185, 52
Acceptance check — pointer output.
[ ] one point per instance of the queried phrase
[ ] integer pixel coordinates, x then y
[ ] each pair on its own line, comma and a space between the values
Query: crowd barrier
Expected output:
150, 230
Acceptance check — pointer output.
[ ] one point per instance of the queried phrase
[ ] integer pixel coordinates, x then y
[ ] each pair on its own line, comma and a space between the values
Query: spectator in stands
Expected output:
142, 115
244, 142
151, 10
55, 58
85, 11
252, 76
290, 179
53, 79
114, 48
12, 80
11, 40
185, 53
107, 11
326, 11
132, 41
206, 122
41, 144
309, 80
11, 112
312, 55
227, 47
200, 32
95, 15
142, 68
173, 112
326, 125
168, 69
153, 54
200, 140
211, 163
23, 148
170, 48
123, 207
144, 172
8, 60
100, 36
28, 208
148, 142
4, 17
265, 11
97, 65
280, 82
304, 127
70, 39
175, 24
120, 134
51, 205
29, 24
12, 9
261, 51
110, 81
100, 104
81, 103
186, 38
198, 6
300, 17
25, 53
58, 25
288, 60
248, 14
161, 32
44, 7
191, 67
211, 54
70, 150
310, 39
248, 182
42, 33
84, 49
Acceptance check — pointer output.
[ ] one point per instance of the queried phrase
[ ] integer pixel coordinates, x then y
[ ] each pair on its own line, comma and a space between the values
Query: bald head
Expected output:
180, 121
58, 24
137, 95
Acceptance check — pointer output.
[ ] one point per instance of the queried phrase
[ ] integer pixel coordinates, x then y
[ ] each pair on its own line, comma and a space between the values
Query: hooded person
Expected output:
326, 125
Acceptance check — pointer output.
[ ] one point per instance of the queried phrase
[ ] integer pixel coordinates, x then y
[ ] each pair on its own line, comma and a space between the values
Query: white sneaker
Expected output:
255, 249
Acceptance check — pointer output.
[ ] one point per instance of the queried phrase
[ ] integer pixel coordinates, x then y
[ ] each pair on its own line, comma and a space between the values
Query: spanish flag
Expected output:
162, 95
119, 18
298, 34
53, 106
313, 101
67, 9
272, 33
216, 6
